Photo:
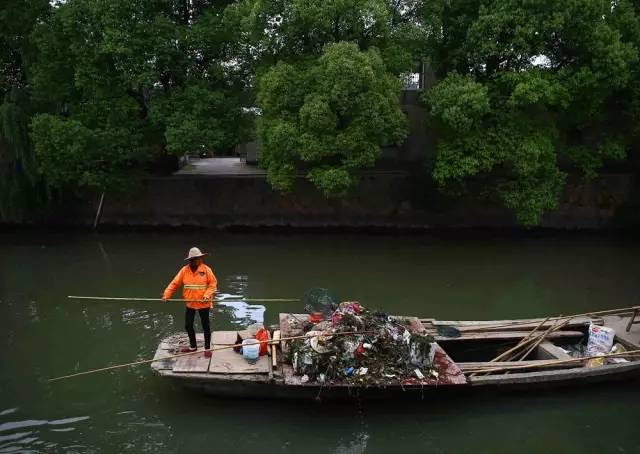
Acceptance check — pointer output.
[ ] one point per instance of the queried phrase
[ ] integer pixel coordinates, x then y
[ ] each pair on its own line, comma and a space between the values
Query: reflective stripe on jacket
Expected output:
197, 285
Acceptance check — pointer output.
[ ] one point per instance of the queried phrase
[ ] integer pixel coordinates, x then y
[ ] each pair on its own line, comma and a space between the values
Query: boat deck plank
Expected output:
504, 335
619, 324
548, 350
163, 364
549, 376
196, 363
582, 320
228, 361
508, 325
471, 366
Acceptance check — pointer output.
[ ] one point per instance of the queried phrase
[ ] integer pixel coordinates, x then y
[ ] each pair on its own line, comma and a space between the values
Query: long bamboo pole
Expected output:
537, 340
256, 300
226, 347
540, 338
550, 363
528, 339
522, 343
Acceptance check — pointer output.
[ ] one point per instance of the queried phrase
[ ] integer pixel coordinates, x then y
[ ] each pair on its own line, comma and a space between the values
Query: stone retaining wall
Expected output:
380, 201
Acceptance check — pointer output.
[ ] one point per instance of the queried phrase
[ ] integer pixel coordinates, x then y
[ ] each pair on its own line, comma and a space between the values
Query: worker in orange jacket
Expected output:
199, 286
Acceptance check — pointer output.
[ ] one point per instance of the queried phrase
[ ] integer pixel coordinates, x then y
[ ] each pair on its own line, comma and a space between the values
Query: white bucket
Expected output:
251, 350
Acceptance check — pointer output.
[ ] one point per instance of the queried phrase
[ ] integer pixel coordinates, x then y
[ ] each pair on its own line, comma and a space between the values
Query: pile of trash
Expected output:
355, 346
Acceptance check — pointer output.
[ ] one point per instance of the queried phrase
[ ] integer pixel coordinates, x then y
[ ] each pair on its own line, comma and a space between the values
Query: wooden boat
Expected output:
461, 362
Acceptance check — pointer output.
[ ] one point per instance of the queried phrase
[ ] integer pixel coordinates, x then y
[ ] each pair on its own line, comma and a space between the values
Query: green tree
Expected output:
123, 82
21, 188
523, 84
327, 84
208, 112
330, 115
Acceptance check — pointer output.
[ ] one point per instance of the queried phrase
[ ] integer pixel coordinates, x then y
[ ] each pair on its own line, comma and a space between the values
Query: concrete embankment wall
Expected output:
380, 201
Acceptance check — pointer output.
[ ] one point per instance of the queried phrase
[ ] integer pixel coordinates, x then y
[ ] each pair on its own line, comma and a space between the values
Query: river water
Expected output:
46, 335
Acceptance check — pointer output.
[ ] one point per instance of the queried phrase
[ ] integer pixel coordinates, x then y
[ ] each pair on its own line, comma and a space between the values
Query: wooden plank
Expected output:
472, 323
470, 366
230, 362
274, 349
161, 353
548, 350
527, 327
533, 321
619, 324
177, 341
269, 345
508, 325
196, 363
477, 364
575, 376
220, 338
504, 335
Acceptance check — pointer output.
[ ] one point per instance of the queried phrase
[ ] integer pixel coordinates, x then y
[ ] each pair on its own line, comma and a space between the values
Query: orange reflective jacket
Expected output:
198, 285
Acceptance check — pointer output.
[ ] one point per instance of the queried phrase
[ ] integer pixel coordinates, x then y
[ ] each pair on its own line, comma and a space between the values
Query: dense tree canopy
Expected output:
95, 91
123, 81
327, 85
331, 113
21, 188
523, 84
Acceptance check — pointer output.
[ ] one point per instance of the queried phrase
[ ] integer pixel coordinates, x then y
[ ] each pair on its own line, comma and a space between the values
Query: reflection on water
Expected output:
131, 410
243, 313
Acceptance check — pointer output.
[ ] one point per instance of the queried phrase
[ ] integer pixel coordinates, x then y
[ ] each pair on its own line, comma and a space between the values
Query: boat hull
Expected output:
549, 366
274, 389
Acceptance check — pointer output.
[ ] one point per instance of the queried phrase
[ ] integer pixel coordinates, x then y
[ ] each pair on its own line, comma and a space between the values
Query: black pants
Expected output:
204, 319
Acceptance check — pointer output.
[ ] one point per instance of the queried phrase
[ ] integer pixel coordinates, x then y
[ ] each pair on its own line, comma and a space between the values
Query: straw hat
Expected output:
195, 253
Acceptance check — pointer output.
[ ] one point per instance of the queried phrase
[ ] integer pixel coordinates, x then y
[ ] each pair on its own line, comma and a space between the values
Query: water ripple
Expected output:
14, 436
68, 420
18, 441
20, 424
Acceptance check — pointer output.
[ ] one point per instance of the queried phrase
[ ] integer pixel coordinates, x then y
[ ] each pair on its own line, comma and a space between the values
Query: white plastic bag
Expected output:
600, 339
